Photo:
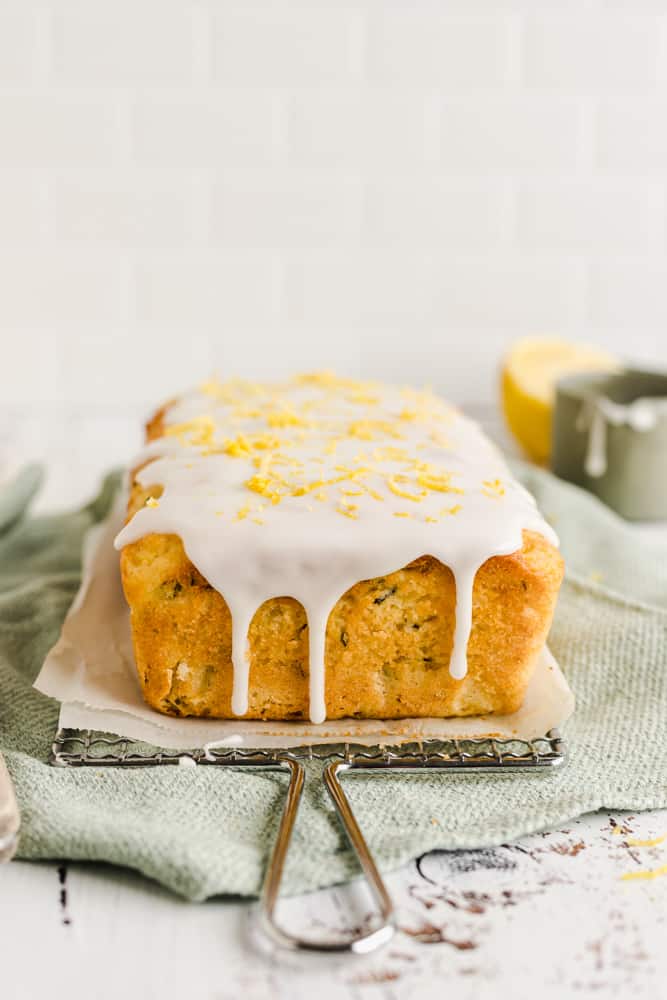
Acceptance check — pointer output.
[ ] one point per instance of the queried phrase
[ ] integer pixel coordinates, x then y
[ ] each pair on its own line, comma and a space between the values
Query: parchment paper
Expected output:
91, 671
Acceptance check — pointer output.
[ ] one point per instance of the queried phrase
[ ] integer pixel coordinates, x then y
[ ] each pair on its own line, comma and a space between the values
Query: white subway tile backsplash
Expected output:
519, 134
382, 187
23, 215
631, 136
49, 130
285, 209
59, 291
363, 130
136, 369
423, 46
273, 45
230, 128
577, 217
584, 52
148, 208
220, 292
19, 28
435, 213
631, 293
122, 44
418, 290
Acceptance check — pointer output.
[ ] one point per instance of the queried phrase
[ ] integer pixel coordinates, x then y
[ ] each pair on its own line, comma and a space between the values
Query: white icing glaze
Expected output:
229, 741
186, 761
303, 489
595, 413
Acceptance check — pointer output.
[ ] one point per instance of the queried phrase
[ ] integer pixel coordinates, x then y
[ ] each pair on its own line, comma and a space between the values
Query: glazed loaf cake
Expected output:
324, 548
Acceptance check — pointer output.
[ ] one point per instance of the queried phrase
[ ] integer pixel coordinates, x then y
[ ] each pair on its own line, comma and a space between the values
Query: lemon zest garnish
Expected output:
451, 510
631, 842
240, 447
370, 430
211, 387
266, 487
648, 873
152, 502
198, 431
402, 513
439, 439
391, 453
440, 482
285, 417
243, 445
493, 488
392, 483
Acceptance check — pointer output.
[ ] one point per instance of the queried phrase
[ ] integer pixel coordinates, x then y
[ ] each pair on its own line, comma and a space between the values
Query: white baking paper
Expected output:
91, 672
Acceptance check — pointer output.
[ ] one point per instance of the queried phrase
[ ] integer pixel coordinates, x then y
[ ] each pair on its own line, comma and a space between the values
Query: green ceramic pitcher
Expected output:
610, 436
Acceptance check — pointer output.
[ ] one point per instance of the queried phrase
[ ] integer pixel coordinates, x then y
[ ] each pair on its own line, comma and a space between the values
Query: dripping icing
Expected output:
293, 490
597, 412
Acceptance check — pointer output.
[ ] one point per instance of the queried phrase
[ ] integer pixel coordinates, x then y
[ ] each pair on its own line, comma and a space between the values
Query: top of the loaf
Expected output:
303, 487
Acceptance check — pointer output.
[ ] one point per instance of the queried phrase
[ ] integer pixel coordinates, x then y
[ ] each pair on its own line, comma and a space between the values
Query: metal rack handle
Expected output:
368, 942
360, 943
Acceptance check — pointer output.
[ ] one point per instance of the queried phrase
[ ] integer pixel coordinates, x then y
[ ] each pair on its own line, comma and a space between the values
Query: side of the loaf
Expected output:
388, 640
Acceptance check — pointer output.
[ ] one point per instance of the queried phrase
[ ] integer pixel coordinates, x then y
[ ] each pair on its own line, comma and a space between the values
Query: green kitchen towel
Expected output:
205, 831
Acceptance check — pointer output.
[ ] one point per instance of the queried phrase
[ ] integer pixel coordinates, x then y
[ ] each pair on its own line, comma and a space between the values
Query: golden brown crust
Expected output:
388, 640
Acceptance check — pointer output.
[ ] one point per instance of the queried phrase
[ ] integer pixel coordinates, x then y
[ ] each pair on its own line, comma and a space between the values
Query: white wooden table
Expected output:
553, 915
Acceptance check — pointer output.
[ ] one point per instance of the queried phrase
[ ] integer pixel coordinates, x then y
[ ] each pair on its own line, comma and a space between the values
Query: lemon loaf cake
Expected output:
323, 548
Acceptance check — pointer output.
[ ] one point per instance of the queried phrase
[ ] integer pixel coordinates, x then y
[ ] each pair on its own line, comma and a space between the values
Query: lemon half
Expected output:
530, 371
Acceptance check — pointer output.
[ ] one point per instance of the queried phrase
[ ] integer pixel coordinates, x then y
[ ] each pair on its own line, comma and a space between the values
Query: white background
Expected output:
388, 188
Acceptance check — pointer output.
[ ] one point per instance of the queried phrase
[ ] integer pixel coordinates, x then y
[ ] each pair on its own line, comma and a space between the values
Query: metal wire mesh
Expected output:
85, 748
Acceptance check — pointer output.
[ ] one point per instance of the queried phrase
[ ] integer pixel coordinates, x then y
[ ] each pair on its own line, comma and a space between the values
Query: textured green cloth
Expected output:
203, 831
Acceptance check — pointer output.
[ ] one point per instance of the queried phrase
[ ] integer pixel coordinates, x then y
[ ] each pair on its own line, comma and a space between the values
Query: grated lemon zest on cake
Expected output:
198, 431
285, 417
399, 491
451, 510
321, 418
348, 510
439, 482
493, 488
371, 430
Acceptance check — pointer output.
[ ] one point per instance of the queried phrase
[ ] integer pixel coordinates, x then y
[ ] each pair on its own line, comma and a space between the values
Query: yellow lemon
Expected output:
530, 371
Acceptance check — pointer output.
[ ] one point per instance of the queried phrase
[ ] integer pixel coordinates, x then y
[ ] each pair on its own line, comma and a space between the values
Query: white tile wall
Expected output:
389, 187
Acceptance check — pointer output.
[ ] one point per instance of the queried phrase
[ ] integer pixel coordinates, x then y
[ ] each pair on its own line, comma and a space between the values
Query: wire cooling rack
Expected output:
84, 748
